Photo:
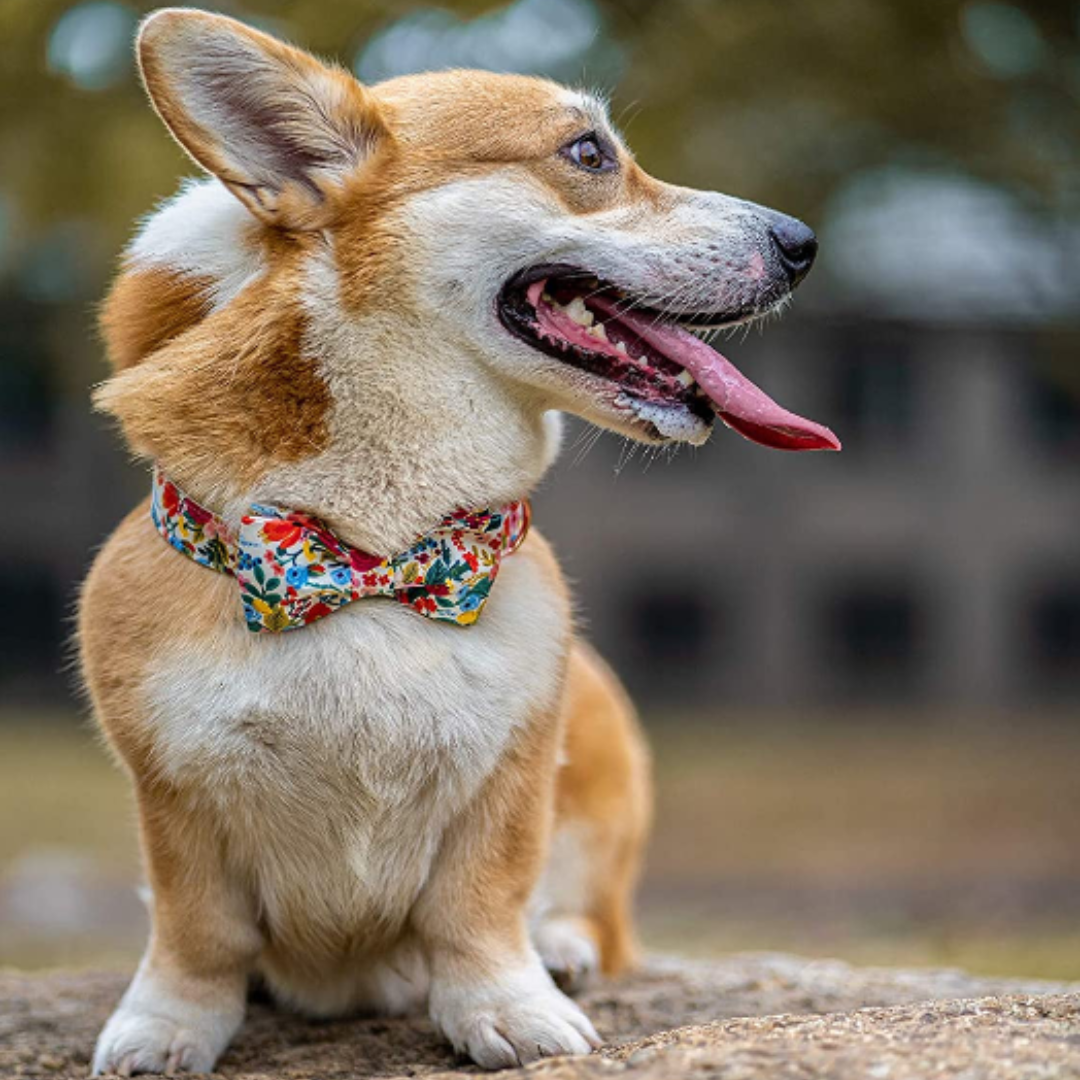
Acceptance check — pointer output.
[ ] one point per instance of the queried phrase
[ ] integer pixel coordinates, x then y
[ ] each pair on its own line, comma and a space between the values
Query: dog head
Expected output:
452, 254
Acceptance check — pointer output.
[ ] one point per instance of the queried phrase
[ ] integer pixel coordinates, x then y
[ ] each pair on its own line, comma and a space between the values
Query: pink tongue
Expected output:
741, 405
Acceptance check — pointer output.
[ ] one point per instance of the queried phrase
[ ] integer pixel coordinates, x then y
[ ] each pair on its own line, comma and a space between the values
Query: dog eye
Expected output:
587, 153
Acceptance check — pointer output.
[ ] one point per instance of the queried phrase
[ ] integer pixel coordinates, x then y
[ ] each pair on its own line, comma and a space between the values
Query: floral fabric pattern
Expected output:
292, 570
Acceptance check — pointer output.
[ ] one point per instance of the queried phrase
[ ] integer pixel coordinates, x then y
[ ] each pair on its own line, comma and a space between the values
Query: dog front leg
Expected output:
187, 998
490, 993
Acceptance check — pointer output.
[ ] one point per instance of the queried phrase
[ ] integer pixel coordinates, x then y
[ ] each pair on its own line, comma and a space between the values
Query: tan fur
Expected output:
114, 663
241, 373
605, 786
146, 309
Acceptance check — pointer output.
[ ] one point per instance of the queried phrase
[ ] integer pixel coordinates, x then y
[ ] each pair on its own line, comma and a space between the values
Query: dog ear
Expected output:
282, 130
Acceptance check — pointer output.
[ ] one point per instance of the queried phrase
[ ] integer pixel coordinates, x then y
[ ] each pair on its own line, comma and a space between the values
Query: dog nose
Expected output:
796, 245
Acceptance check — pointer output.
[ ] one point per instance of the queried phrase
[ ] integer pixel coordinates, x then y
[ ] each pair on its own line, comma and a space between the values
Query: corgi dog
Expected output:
353, 340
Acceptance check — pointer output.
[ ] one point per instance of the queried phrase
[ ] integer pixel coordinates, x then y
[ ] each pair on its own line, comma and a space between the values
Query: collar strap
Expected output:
292, 570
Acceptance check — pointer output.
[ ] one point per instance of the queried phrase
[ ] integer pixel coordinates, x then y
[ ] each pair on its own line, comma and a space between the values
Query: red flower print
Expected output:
324, 536
282, 532
362, 561
170, 499
196, 512
471, 560
317, 611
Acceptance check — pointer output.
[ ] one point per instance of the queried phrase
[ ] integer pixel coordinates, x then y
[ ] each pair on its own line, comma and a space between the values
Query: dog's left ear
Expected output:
280, 129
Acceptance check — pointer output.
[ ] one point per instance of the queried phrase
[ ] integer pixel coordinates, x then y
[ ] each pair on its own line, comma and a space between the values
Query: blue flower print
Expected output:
341, 576
296, 576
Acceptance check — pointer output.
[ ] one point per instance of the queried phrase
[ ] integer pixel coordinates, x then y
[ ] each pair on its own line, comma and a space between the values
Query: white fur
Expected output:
203, 231
416, 415
155, 1029
562, 896
386, 721
567, 951
566, 886
518, 1019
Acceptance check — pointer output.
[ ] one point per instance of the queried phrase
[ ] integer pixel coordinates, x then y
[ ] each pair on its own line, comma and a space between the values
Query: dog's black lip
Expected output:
520, 281
524, 278
517, 322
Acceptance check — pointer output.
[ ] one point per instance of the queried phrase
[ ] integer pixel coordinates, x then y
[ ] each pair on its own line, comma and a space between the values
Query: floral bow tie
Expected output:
292, 570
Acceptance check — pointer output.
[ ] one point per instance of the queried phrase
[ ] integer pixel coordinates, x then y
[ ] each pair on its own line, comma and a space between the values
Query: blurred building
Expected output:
934, 561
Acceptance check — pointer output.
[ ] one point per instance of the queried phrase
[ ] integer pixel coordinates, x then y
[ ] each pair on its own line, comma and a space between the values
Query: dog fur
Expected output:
377, 811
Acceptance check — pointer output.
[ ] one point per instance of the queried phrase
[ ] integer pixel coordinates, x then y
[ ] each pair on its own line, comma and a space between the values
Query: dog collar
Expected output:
292, 570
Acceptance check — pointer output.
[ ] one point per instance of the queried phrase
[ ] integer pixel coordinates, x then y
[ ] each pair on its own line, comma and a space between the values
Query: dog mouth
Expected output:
669, 378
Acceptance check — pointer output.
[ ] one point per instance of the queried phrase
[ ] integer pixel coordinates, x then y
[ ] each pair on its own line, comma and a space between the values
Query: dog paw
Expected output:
140, 1042
568, 952
514, 1022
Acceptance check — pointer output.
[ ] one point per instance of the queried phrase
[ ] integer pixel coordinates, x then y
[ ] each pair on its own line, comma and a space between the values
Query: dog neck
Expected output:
419, 437
380, 422
376, 429
419, 425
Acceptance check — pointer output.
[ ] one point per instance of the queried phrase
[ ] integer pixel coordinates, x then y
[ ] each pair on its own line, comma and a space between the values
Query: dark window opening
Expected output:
1054, 411
31, 641
1054, 634
875, 391
26, 391
672, 642
874, 632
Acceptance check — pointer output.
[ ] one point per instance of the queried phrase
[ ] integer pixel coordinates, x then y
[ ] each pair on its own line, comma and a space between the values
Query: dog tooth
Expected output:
577, 311
597, 331
620, 346
684, 378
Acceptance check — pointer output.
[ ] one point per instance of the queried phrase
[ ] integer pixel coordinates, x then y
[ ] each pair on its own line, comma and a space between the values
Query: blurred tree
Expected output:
775, 100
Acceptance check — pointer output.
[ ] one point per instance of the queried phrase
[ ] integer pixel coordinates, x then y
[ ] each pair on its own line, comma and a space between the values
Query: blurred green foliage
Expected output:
773, 99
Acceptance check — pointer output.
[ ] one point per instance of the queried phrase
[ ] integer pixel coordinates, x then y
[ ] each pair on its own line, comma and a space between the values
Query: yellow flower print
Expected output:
277, 618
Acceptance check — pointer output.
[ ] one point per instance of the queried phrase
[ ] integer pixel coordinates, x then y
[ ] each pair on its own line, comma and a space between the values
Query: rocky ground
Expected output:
747, 1017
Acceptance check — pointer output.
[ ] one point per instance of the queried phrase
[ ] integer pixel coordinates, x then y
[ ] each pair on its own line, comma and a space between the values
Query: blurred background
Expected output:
860, 672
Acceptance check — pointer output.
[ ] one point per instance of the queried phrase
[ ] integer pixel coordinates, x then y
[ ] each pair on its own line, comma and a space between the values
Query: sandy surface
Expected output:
746, 1017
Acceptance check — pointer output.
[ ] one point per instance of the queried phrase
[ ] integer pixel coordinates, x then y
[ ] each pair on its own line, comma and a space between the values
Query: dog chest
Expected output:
352, 742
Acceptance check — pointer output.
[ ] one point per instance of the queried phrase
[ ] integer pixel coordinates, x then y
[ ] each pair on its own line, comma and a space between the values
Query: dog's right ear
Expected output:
282, 130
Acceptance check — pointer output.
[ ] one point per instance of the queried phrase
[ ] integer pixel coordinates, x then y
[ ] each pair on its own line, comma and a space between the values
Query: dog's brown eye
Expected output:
589, 154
